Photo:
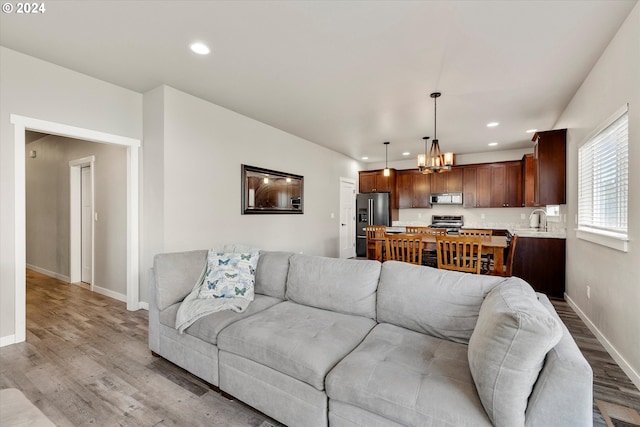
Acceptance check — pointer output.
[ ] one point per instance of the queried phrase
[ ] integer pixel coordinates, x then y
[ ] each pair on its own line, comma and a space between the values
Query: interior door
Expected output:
347, 218
86, 227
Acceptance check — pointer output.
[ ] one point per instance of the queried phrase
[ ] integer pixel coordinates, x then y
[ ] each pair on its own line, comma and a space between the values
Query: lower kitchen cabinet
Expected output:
541, 262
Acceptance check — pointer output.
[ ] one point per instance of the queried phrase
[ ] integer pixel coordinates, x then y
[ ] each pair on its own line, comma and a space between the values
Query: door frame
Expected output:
21, 124
353, 220
75, 218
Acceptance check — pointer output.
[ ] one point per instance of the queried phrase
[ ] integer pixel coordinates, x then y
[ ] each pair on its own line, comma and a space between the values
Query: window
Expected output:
603, 184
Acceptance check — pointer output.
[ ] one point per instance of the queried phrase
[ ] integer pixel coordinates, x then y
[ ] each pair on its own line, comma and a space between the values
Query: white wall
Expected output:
152, 212
48, 204
203, 148
613, 308
38, 89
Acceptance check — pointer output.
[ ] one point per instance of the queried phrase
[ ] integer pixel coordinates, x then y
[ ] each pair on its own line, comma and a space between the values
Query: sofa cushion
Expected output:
208, 327
440, 303
176, 274
300, 341
507, 349
341, 285
409, 378
271, 274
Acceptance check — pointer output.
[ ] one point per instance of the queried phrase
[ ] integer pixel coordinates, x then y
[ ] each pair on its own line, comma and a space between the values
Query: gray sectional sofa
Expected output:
359, 343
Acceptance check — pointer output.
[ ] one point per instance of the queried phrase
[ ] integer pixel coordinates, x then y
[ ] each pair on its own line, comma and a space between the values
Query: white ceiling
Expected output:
344, 74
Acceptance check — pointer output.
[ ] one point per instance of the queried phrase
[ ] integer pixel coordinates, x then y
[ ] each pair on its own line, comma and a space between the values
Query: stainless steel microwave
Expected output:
446, 198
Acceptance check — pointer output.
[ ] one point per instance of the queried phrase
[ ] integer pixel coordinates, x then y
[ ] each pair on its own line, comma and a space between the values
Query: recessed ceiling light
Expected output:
200, 48
492, 124
365, 158
531, 130
406, 153
493, 144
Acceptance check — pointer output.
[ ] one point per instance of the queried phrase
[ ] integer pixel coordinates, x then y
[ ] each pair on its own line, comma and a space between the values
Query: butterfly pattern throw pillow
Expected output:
230, 275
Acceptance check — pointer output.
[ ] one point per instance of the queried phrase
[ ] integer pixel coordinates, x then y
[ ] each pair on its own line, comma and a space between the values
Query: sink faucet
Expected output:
543, 220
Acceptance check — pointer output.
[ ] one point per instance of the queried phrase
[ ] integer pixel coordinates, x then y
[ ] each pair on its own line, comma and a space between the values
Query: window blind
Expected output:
603, 179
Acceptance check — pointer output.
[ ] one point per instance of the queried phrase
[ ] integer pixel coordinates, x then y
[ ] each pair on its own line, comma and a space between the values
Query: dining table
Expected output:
493, 245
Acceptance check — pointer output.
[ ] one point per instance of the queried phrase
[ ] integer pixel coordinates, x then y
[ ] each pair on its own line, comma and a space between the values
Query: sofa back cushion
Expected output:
507, 349
176, 274
271, 274
440, 303
341, 285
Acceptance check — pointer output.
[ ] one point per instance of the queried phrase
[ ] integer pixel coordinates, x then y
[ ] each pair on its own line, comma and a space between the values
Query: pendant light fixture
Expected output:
434, 161
386, 171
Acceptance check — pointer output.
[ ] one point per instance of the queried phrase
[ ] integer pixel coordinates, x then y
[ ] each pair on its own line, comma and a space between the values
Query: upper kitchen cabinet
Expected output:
492, 185
414, 189
447, 182
529, 178
550, 158
513, 186
375, 181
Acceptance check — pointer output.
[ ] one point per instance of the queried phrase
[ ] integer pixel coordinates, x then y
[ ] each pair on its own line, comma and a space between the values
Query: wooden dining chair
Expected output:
404, 247
375, 241
459, 253
426, 230
414, 229
508, 265
484, 233
429, 257
487, 259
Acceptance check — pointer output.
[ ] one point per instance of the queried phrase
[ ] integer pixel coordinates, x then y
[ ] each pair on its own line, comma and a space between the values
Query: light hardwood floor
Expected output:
86, 362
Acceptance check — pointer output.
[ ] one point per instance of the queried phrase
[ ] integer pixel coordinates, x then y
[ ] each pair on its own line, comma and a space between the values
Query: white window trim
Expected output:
602, 237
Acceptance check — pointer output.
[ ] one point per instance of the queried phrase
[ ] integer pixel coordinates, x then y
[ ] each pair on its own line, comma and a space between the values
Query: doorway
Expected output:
86, 227
347, 218
22, 124
81, 219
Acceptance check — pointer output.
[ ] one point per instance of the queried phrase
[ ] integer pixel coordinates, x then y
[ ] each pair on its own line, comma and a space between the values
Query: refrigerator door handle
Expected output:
373, 212
370, 212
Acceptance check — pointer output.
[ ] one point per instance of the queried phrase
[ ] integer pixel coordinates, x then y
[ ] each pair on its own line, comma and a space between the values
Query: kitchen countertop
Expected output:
551, 234
521, 232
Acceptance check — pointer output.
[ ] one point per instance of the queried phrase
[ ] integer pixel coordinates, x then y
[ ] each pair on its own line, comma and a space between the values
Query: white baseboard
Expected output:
49, 273
631, 373
8, 340
143, 305
110, 293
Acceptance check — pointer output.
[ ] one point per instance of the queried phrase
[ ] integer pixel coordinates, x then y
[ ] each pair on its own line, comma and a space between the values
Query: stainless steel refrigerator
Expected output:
372, 209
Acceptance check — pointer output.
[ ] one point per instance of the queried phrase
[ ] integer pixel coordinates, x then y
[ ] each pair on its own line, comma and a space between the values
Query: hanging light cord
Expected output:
435, 115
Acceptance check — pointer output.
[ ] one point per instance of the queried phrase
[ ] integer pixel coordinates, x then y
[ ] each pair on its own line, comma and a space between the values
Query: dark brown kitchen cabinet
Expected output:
492, 185
469, 186
551, 157
541, 262
414, 189
529, 177
375, 181
483, 187
513, 188
447, 182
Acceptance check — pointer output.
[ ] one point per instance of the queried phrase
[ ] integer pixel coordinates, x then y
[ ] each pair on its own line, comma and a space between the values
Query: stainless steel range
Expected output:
453, 223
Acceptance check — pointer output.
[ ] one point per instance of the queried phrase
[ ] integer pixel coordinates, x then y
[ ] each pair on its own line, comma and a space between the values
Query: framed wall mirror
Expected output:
266, 191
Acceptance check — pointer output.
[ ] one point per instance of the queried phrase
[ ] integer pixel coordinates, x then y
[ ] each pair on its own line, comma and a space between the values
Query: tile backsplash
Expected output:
508, 218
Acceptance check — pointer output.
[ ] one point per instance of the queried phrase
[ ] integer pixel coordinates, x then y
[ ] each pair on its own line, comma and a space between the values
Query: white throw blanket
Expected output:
194, 307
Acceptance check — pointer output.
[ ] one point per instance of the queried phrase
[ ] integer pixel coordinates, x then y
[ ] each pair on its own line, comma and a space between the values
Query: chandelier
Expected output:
434, 161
